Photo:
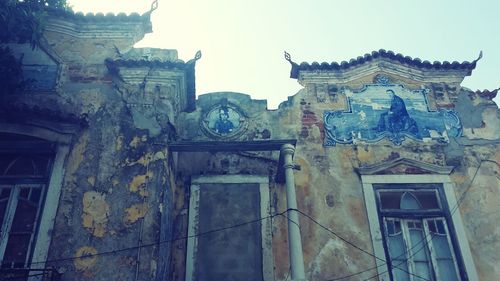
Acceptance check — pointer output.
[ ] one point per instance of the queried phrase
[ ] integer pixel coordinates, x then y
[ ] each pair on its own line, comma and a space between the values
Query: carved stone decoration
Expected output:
224, 121
388, 110
382, 79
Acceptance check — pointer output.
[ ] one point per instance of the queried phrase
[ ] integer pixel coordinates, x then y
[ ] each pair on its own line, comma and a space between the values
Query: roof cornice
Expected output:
379, 58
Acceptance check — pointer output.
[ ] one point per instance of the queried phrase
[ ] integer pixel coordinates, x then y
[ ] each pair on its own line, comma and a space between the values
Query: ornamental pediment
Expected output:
382, 60
404, 166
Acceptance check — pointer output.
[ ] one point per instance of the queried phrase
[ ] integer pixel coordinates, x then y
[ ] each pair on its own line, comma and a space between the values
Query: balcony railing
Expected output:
29, 274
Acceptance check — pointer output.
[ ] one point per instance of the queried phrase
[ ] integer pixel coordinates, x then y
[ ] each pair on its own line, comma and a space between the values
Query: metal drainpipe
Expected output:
294, 239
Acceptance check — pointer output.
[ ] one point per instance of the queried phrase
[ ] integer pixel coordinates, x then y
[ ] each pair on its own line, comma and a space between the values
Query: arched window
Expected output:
25, 164
417, 234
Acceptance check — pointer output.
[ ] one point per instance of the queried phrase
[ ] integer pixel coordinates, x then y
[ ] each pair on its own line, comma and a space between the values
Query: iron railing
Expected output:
29, 274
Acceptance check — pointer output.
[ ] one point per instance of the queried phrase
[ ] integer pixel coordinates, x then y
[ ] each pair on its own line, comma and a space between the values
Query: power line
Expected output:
424, 241
160, 242
454, 209
288, 273
352, 244
354, 274
462, 196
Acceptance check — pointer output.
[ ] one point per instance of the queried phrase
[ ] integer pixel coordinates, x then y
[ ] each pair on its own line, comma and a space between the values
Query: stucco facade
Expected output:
149, 182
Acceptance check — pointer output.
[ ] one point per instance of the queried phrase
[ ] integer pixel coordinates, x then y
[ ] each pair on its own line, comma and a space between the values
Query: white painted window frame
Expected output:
10, 211
405, 230
63, 137
374, 223
192, 241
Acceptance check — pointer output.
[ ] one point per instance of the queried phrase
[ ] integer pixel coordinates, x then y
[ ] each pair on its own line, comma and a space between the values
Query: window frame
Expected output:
32, 150
266, 231
448, 200
61, 138
10, 212
423, 216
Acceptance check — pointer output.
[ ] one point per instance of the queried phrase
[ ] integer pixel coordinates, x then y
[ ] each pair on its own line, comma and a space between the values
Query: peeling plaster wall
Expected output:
116, 191
112, 196
122, 186
329, 189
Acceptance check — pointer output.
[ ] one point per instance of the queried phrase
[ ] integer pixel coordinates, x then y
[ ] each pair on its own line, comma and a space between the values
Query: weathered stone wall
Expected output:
117, 186
123, 187
328, 187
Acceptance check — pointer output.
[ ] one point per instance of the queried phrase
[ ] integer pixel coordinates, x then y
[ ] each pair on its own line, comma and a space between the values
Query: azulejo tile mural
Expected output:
389, 110
223, 121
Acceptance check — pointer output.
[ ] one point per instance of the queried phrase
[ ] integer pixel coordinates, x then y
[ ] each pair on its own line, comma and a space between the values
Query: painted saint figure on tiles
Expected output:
397, 119
223, 125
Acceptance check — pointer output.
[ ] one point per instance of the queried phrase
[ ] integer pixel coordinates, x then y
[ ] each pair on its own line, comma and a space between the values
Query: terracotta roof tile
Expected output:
415, 62
100, 17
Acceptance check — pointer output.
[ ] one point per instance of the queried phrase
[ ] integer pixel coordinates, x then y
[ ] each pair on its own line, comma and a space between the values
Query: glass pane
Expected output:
428, 199
390, 227
27, 165
441, 247
390, 200
397, 226
397, 247
22, 165
440, 227
25, 192
432, 226
35, 195
5, 161
419, 253
409, 202
24, 218
4, 200
5, 193
401, 275
442, 250
422, 272
41, 164
397, 252
17, 248
3, 206
447, 270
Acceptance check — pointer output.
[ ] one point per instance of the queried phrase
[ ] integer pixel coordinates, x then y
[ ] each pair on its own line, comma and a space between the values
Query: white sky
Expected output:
242, 41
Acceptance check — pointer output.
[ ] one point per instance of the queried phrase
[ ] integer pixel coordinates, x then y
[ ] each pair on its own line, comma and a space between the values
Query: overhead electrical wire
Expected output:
353, 245
159, 242
424, 240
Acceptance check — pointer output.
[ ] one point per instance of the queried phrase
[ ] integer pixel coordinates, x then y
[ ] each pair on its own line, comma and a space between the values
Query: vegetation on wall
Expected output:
21, 21
11, 73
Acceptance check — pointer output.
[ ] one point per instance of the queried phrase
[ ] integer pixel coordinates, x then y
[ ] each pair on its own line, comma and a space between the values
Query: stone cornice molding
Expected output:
100, 30
176, 75
387, 66
382, 60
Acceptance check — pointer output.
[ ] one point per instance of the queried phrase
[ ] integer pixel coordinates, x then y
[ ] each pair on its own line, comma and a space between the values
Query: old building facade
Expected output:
112, 169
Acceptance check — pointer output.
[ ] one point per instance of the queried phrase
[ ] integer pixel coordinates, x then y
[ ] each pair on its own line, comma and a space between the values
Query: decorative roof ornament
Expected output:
487, 93
154, 6
294, 72
288, 57
474, 62
197, 56
480, 56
